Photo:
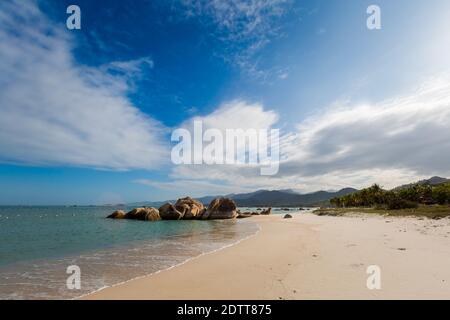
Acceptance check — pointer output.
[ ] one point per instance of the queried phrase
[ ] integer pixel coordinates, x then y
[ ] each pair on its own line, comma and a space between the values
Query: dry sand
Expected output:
312, 257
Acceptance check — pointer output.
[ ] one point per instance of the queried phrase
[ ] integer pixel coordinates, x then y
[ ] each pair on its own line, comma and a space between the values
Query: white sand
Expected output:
311, 257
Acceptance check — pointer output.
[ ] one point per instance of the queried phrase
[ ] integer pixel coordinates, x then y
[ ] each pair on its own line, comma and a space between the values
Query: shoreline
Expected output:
84, 296
310, 257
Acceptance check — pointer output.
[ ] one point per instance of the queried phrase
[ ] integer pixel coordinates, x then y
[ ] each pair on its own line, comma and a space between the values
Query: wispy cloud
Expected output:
321, 31
131, 68
54, 111
245, 27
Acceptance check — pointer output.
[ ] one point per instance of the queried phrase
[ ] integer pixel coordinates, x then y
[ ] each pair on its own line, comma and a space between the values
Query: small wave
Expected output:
106, 268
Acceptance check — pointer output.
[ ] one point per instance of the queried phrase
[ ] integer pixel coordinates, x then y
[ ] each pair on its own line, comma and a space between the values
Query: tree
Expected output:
441, 194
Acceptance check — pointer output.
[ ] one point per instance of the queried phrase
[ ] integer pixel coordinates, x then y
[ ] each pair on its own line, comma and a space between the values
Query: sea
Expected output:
42, 246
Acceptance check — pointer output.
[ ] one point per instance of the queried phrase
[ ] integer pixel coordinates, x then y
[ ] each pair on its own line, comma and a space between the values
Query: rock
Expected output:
200, 215
287, 216
169, 212
143, 214
286, 209
221, 208
266, 211
119, 214
244, 215
255, 213
190, 208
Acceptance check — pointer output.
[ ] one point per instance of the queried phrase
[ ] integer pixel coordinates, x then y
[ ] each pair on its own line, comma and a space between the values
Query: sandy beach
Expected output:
312, 257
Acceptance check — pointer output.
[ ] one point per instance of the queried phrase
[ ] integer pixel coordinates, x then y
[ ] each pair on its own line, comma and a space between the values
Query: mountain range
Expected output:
269, 198
433, 181
288, 197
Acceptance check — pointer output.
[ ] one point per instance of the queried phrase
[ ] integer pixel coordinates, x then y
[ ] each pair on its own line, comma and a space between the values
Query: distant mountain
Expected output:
154, 204
283, 198
269, 198
289, 191
433, 181
243, 196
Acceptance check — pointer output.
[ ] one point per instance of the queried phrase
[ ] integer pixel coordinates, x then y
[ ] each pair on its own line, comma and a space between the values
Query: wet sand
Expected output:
312, 257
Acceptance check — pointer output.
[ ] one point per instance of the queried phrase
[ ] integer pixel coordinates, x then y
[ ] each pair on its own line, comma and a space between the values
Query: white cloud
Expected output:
56, 112
283, 75
238, 114
392, 142
406, 133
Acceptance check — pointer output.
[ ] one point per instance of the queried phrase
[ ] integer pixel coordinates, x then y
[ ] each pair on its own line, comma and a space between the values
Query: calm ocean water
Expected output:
37, 244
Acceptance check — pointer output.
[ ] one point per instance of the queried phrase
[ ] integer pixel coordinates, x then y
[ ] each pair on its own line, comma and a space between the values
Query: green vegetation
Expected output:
412, 200
409, 197
426, 211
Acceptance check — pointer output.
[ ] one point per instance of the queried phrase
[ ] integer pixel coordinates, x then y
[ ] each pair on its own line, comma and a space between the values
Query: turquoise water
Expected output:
37, 244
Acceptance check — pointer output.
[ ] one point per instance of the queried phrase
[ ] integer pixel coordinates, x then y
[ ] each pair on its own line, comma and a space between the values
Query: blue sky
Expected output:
86, 115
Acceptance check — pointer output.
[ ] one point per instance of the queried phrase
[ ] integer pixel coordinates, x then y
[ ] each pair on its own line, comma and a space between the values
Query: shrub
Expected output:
441, 193
397, 203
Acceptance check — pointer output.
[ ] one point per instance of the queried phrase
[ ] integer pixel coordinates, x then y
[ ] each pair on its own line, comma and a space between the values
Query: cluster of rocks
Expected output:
188, 209
264, 212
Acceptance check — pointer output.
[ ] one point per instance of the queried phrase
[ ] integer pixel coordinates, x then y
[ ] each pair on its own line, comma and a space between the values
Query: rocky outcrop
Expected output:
242, 215
190, 208
169, 212
287, 216
221, 208
144, 214
119, 214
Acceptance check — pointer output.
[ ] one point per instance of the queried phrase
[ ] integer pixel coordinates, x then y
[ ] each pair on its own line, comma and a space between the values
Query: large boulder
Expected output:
169, 212
221, 208
145, 214
190, 208
266, 212
119, 214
